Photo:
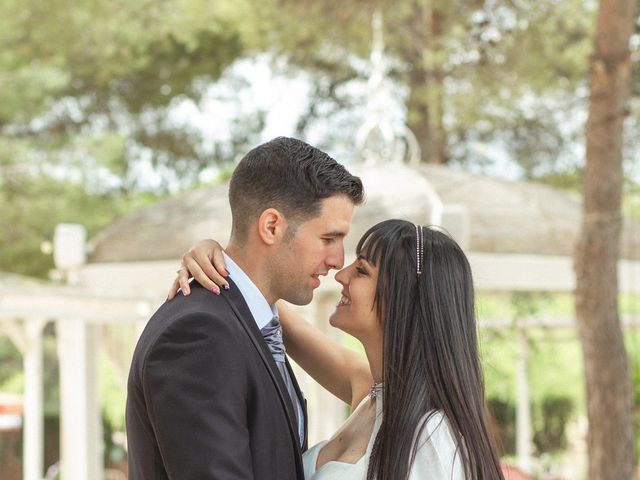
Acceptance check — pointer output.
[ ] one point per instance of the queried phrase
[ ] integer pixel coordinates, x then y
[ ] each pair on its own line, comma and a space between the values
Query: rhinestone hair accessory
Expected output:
419, 245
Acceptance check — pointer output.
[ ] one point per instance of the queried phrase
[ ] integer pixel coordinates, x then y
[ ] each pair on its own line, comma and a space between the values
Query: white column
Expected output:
33, 431
523, 406
80, 425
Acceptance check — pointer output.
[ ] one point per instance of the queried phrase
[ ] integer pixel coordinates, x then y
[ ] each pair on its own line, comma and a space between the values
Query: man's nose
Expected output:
336, 259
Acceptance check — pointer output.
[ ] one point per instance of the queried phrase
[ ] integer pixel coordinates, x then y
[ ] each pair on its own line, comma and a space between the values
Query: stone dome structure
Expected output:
517, 216
502, 216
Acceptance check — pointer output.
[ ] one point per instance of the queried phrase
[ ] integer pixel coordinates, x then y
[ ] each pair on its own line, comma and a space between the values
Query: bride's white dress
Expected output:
436, 458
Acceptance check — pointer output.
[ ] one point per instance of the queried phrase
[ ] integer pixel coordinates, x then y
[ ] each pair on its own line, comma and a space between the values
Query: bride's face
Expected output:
356, 313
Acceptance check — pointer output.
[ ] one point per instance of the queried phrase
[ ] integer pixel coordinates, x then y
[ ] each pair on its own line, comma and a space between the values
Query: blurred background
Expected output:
120, 125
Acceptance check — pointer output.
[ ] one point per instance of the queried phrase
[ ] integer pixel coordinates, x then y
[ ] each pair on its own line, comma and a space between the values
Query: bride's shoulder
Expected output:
435, 425
437, 454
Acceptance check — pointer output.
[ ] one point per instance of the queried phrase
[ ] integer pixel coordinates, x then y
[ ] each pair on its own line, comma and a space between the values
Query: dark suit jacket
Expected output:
205, 398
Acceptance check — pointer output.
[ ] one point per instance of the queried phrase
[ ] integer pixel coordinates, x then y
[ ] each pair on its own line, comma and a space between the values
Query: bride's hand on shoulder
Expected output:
205, 263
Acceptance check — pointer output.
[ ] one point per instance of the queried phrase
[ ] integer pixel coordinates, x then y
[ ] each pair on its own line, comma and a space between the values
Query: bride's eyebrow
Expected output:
364, 260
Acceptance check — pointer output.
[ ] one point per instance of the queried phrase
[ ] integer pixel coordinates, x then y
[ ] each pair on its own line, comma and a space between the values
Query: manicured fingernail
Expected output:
225, 286
215, 290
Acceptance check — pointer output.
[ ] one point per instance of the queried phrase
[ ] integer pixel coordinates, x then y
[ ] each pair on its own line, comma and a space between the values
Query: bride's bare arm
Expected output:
338, 369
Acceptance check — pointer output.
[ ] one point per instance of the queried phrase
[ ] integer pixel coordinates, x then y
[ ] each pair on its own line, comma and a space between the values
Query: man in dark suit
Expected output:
210, 393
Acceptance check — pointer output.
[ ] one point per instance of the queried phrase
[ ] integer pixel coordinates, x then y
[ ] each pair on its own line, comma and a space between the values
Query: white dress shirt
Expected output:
261, 311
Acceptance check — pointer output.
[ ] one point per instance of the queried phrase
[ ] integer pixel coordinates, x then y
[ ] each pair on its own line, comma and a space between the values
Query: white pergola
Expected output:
78, 311
77, 314
128, 291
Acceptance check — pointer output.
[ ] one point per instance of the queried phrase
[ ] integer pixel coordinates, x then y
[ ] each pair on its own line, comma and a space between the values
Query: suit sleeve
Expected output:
195, 387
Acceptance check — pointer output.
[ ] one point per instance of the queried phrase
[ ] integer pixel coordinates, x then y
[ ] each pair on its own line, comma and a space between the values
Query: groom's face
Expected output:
316, 248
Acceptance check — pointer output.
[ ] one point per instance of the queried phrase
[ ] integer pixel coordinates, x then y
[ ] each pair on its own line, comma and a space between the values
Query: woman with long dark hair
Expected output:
418, 409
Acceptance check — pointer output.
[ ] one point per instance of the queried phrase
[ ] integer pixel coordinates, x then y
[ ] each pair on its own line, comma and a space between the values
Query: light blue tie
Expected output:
272, 334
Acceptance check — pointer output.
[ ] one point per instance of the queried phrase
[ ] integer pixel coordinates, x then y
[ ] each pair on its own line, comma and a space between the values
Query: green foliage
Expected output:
464, 65
549, 425
556, 377
10, 367
631, 200
633, 347
12, 373
556, 304
555, 364
99, 95
525, 304
116, 68
112, 395
503, 416
550, 431
555, 357
34, 204
77, 114
570, 181
51, 439
127, 50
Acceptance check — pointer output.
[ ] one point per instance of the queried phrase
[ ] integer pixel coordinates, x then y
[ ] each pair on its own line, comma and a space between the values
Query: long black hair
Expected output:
430, 350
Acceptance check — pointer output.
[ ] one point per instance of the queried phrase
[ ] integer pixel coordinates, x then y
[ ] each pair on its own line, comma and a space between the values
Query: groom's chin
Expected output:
300, 297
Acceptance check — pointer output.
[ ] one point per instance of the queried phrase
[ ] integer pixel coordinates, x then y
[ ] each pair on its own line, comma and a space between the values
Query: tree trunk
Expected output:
608, 383
426, 84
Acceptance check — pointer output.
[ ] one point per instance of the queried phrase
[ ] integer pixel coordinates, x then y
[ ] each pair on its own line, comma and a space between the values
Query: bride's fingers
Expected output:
220, 268
183, 279
205, 263
181, 282
175, 286
203, 272
208, 266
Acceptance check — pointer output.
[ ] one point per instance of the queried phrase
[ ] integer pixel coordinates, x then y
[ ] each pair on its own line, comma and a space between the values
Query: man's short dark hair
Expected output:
291, 176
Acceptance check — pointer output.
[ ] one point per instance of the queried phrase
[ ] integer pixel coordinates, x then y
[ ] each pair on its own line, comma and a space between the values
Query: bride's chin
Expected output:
335, 322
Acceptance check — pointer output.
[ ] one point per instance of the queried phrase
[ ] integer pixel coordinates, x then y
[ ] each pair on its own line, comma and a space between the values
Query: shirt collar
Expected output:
260, 309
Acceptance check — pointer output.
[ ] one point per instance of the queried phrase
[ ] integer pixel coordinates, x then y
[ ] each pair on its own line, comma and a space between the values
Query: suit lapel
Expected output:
303, 403
242, 312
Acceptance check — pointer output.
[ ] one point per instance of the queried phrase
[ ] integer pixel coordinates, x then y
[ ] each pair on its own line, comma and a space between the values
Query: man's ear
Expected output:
271, 226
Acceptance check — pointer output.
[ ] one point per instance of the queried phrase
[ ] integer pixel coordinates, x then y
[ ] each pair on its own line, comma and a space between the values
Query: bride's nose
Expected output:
342, 276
